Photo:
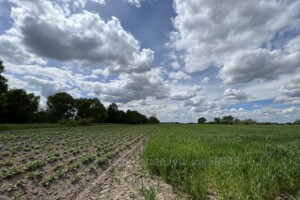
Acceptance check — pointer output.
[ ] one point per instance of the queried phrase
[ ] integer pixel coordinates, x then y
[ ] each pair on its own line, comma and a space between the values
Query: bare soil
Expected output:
125, 179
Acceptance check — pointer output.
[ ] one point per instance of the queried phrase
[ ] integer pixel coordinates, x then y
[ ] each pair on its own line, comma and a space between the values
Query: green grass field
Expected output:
230, 162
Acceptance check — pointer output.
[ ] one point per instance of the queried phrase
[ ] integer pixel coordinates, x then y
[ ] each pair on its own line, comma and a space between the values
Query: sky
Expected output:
178, 60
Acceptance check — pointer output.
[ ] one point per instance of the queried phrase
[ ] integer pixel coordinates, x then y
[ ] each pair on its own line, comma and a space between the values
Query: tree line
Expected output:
18, 106
228, 119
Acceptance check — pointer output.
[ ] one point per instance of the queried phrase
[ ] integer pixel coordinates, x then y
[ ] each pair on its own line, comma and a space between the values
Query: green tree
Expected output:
134, 117
153, 120
248, 122
61, 106
227, 119
18, 106
91, 108
202, 120
3, 80
114, 115
217, 120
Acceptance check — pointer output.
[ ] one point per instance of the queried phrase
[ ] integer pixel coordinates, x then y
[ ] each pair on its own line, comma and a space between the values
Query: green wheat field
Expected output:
230, 162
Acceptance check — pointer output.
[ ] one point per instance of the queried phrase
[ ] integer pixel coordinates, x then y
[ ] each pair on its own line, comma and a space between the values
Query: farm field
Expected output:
227, 162
57, 163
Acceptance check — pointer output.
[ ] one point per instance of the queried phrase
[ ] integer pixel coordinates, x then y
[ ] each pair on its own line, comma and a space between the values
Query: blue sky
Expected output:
179, 60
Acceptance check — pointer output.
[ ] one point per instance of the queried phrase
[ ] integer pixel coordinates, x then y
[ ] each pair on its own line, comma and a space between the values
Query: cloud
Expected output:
290, 92
129, 87
237, 95
231, 34
48, 32
197, 88
259, 64
205, 80
201, 104
182, 95
179, 75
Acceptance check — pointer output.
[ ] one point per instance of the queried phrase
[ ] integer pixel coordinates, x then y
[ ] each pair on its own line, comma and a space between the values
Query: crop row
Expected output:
44, 157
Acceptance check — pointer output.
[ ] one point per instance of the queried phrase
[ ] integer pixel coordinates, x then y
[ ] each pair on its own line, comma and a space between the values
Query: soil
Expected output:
125, 179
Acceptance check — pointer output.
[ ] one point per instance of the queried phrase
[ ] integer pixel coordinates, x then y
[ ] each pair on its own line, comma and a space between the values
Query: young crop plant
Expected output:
88, 159
76, 177
35, 175
101, 160
35, 165
72, 167
11, 172
41, 158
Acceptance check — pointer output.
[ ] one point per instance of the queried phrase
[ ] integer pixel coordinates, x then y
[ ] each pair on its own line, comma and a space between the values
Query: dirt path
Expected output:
126, 179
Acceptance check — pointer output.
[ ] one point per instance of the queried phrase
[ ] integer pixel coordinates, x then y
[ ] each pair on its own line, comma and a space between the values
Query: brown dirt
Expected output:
124, 180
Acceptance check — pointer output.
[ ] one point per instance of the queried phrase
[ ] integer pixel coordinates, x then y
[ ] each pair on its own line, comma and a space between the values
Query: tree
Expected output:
236, 121
297, 121
153, 120
201, 120
248, 122
227, 119
61, 106
18, 106
3, 80
91, 108
217, 120
134, 117
114, 115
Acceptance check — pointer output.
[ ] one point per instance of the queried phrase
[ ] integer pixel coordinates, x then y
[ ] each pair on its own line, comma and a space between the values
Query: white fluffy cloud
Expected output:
259, 64
179, 75
46, 31
290, 92
182, 95
230, 34
129, 87
237, 95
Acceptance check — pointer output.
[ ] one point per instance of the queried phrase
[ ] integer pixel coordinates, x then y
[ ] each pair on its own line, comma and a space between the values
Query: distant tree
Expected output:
227, 119
3, 80
297, 121
236, 121
114, 115
18, 106
112, 110
248, 122
217, 120
61, 106
134, 117
202, 120
153, 120
91, 108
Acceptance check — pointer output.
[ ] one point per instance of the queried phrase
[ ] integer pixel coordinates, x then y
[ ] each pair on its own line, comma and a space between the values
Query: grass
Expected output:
232, 162
148, 193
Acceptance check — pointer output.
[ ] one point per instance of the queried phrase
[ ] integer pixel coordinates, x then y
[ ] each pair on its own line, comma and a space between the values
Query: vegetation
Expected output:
40, 158
201, 120
232, 162
3, 80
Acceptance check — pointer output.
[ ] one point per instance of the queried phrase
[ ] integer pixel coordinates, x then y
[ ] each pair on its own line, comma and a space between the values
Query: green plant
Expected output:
34, 165
76, 177
148, 193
